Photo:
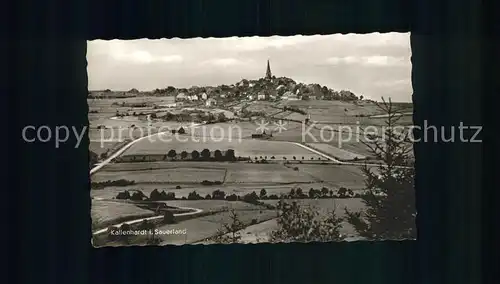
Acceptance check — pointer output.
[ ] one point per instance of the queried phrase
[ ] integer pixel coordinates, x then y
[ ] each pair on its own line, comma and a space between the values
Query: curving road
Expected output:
340, 162
195, 211
124, 148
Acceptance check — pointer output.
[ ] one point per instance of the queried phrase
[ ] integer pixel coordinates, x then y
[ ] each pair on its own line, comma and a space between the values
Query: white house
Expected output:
250, 97
193, 98
289, 96
261, 97
210, 102
180, 96
204, 96
170, 105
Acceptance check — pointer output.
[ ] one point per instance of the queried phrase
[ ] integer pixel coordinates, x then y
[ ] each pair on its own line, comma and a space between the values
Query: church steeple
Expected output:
269, 75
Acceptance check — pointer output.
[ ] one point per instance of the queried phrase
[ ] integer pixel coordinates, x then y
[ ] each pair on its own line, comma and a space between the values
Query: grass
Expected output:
99, 148
335, 175
177, 175
211, 204
259, 233
196, 172
337, 153
267, 173
242, 147
205, 227
238, 189
106, 213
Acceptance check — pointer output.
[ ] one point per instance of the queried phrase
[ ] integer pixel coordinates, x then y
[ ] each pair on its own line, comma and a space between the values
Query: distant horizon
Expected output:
372, 65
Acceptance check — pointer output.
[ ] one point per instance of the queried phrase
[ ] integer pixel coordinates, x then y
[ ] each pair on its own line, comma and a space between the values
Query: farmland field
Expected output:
335, 175
177, 175
242, 147
207, 226
184, 190
99, 148
211, 204
107, 211
260, 232
338, 153
229, 173
271, 173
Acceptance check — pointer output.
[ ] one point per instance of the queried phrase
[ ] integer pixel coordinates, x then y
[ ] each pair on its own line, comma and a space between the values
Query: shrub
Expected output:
313, 193
230, 155
250, 197
184, 155
342, 192
232, 197
303, 224
137, 196
194, 196
123, 195
155, 195
205, 154
295, 168
146, 225
178, 187
263, 193
208, 196
218, 194
218, 155
172, 154
168, 217
120, 182
253, 222
324, 191
195, 155
229, 233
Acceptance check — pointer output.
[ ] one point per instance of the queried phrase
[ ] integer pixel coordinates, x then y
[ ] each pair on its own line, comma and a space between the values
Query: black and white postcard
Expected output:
251, 139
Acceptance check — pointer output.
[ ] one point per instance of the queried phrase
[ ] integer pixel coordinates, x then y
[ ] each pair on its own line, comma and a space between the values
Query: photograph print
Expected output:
251, 139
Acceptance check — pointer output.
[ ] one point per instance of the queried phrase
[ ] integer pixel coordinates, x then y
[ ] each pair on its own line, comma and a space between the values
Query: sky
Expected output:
373, 65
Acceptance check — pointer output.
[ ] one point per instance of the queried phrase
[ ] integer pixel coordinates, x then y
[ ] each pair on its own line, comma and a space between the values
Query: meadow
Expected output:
338, 153
104, 212
205, 227
243, 147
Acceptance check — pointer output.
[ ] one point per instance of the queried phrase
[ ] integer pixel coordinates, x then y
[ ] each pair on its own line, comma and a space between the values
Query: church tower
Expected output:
269, 75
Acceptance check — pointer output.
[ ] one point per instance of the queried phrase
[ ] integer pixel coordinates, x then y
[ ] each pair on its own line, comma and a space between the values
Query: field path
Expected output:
340, 162
124, 148
195, 211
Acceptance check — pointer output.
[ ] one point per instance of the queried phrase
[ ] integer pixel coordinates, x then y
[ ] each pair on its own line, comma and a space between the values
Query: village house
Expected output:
289, 96
181, 96
210, 102
193, 98
204, 96
170, 105
261, 97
